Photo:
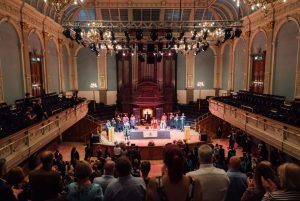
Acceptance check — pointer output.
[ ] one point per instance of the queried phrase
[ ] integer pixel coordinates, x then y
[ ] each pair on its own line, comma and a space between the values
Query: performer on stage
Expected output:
182, 121
114, 124
132, 121
163, 124
125, 119
154, 123
126, 130
118, 121
107, 125
176, 120
164, 118
171, 120
147, 117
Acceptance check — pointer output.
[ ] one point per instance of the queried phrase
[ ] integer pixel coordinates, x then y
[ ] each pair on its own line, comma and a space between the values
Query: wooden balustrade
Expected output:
19, 146
278, 134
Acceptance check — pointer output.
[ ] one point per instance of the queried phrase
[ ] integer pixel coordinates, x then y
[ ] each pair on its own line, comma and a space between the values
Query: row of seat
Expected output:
192, 111
15, 117
271, 106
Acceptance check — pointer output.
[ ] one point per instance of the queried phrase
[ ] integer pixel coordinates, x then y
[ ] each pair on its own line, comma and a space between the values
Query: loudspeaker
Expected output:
150, 58
203, 137
95, 138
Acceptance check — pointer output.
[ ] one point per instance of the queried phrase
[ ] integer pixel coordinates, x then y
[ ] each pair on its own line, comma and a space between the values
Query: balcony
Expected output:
18, 147
280, 135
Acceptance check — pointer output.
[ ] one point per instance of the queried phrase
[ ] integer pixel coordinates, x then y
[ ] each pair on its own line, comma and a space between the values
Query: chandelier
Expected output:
60, 4
258, 4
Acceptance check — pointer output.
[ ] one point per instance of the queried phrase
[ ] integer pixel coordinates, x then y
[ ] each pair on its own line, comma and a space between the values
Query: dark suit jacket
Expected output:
6, 193
45, 184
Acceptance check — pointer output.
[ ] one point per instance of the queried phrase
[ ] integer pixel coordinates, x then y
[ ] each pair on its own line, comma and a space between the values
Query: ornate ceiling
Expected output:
150, 11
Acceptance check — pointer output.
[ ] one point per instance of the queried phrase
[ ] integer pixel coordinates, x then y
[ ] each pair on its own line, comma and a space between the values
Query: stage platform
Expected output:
149, 152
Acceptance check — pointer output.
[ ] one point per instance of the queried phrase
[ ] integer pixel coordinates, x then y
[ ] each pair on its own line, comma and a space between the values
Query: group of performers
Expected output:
174, 121
124, 124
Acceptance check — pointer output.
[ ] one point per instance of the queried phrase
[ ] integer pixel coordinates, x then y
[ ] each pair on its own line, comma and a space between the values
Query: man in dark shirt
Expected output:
46, 184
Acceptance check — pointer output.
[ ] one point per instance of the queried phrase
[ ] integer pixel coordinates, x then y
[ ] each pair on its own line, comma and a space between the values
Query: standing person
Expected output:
107, 177
83, 189
107, 126
126, 130
6, 193
45, 183
219, 132
165, 119
171, 120
74, 156
114, 124
174, 185
132, 121
182, 121
88, 152
176, 119
118, 121
238, 180
214, 181
126, 187
231, 139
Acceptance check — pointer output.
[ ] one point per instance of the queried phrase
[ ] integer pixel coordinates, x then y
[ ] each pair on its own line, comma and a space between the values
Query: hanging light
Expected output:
258, 4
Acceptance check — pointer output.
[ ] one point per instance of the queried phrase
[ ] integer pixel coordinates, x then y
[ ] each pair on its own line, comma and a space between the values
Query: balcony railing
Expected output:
280, 135
19, 146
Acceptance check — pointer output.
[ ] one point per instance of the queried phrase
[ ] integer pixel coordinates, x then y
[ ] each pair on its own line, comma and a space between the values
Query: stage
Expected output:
142, 136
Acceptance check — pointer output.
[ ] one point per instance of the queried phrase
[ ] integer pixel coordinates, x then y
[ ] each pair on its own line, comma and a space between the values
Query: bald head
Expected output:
205, 154
235, 162
109, 167
47, 159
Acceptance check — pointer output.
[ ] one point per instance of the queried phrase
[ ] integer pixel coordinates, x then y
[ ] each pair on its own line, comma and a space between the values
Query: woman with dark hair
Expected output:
174, 186
255, 190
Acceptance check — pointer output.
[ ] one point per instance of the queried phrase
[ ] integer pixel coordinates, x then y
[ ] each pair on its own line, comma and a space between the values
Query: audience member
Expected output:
174, 186
136, 168
6, 193
117, 151
289, 177
83, 189
108, 177
145, 169
214, 181
238, 180
126, 187
255, 190
74, 156
15, 179
46, 184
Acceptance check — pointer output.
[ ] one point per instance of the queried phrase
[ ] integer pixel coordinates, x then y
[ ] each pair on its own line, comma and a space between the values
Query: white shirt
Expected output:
214, 182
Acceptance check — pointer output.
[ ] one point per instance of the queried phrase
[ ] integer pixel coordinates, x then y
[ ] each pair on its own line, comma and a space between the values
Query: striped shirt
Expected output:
283, 196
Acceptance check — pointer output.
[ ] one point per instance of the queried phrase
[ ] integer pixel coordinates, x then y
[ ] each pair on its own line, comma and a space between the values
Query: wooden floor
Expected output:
156, 165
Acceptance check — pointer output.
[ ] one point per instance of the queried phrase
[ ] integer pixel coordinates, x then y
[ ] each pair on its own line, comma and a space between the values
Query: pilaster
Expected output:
190, 76
46, 70
60, 66
269, 65
102, 76
297, 88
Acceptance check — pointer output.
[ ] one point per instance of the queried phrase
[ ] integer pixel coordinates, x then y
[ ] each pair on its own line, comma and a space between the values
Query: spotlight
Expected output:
169, 54
194, 34
127, 36
101, 34
181, 35
139, 34
205, 46
132, 54
238, 33
78, 37
140, 47
153, 34
205, 34
123, 54
67, 34
141, 58
227, 34
168, 34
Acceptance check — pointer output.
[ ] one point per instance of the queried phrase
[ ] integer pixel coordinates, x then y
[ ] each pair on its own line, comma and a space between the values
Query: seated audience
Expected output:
108, 177
174, 186
238, 180
255, 190
6, 193
145, 169
214, 181
126, 187
136, 168
83, 189
289, 177
45, 183
117, 151
15, 179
